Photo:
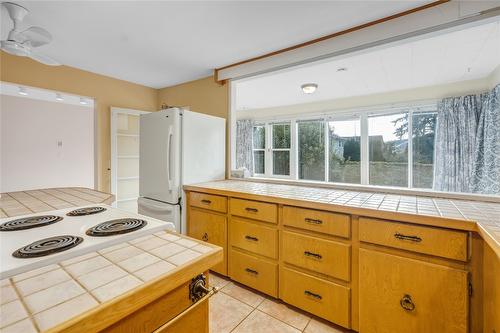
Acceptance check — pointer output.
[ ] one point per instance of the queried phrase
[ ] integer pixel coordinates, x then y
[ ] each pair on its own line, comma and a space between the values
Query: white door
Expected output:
125, 157
159, 164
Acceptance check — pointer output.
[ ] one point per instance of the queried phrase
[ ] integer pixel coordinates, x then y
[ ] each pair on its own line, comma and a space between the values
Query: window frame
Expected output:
352, 114
259, 149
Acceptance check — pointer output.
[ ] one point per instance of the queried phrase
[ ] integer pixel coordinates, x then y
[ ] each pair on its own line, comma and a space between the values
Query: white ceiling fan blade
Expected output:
43, 59
36, 36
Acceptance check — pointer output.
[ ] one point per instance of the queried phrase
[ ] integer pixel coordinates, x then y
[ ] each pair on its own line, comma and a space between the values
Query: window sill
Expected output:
373, 188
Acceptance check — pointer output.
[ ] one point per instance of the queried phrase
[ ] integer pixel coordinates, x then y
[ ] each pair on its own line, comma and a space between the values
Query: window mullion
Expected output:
268, 150
365, 163
327, 150
410, 148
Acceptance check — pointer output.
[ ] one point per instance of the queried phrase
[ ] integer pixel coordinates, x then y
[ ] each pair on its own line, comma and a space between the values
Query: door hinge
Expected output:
470, 288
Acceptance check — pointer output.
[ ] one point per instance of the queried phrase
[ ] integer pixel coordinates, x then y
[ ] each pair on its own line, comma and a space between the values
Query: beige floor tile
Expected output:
183, 257
42, 281
243, 294
7, 294
137, 262
122, 253
101, 277
34, 272
226, 313
54, 295
155, 270
11, 312
168, 250
87, 266
23, 326
218, 281
285, 313
62, 312
258, 322
115, 288
317, 325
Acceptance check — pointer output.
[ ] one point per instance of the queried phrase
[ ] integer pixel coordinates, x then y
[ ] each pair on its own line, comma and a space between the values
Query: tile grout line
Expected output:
21, 300
31, 195
10, 196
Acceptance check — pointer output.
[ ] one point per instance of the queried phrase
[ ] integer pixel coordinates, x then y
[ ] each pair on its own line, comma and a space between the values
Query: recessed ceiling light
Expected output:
83, 101
22, 91
342, 69
59, 97
309, 88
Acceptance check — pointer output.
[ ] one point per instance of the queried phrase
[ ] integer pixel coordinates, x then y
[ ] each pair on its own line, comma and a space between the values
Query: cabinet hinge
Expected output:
470, 288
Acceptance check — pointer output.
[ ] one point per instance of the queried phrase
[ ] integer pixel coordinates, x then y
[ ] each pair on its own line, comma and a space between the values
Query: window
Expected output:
423, 125
281, 140
259, 149
388, 147
311, 149
344, 147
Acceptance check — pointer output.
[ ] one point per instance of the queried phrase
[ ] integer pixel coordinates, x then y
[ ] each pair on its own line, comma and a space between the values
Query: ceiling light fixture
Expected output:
59, 97
22, 91
309, 88
83, 101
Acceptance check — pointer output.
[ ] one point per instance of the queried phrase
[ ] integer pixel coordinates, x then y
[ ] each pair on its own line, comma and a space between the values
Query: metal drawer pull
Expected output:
315, 255
251, 210
313, 221
252, 238
308, 293
207, 202
204, 237
407, 303
251, 271
415, 239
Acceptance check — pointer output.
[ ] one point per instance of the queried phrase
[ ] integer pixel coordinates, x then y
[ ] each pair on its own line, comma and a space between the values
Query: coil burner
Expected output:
115, 227
29, 222
47, 246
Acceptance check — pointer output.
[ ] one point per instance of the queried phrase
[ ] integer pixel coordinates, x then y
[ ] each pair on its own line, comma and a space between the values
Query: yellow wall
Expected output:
106, 91
203, 95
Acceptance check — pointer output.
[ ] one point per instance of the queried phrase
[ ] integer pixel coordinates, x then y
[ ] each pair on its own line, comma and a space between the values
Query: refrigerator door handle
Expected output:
169, 157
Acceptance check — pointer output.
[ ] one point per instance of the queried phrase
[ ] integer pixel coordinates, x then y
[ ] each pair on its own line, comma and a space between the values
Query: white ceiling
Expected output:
466, 54
162, 43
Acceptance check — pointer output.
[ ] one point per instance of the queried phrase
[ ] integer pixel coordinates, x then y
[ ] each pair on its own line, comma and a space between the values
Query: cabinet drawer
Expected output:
253, 272
319, 297
317, 220
257, 210
439, 242
398, 294
210, 228
208, 201
319, 255
255, 238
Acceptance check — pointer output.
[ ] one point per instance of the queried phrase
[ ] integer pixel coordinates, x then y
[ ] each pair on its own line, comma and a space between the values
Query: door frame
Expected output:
115, 111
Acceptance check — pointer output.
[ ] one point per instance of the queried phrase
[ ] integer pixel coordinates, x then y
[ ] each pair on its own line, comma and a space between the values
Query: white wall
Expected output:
30, 153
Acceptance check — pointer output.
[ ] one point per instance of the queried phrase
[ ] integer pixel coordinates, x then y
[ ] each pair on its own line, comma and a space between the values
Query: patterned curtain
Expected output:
244, 147
455, 143
487, 163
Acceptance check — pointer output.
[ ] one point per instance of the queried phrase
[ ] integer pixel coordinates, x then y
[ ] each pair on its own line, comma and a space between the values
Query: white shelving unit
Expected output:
125, 157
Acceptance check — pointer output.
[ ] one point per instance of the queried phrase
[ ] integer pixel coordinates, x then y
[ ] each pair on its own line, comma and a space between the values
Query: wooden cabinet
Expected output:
451, 244
255, 238
256, 273
319, 255
325, 299
317, 220
209, 201
211, 228
398, 294
256, 210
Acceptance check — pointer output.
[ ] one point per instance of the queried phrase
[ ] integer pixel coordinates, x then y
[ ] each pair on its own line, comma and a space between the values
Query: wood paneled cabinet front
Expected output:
398, 294
211, 228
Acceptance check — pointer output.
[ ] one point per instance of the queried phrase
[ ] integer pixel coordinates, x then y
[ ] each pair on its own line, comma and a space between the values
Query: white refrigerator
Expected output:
177, 147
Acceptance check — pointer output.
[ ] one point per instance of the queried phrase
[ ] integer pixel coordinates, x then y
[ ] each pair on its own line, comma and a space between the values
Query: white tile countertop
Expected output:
41, 299
482, 217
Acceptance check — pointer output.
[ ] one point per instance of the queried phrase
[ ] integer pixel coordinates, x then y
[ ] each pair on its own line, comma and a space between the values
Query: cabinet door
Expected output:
398, 294
210, 228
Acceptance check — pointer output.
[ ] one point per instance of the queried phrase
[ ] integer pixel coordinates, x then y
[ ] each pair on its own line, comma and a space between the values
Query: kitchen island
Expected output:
152, 283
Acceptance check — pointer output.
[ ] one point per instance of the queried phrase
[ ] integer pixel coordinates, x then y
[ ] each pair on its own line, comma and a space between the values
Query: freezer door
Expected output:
161, 211
159, 155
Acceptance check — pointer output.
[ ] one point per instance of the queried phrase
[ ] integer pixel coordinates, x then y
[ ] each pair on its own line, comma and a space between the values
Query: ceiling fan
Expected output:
24, 42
